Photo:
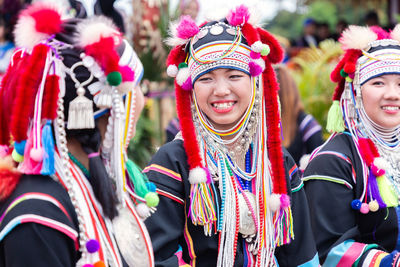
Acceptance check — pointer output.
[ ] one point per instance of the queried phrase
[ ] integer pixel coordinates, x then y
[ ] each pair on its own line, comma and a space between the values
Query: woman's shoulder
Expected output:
38, 199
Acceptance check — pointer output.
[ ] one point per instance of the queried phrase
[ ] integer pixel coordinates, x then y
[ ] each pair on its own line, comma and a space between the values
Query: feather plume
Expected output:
395, 34
238, 16
173, 39
92, 30
37, 23
357, 37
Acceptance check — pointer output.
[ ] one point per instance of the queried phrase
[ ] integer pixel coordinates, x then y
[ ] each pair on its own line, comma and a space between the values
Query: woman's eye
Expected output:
377, 83
203, 79
235, 76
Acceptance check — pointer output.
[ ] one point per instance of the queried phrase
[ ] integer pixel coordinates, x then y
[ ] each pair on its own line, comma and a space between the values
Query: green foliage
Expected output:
141, 147
312, 68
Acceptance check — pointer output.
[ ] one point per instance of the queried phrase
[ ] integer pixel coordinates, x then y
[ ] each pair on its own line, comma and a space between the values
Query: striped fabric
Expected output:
344, 254
308, 127
163, 170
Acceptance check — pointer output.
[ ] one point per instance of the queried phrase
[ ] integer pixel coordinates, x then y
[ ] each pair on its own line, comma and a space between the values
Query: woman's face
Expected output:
223, 95
381, 99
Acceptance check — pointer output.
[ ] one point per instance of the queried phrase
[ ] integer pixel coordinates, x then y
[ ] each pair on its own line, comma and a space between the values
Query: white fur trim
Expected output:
173, 40
26, 35
274, 202
257, 46
395, 34
182, 76
381, 163
172, 71
89, 31
197, 175
357, 37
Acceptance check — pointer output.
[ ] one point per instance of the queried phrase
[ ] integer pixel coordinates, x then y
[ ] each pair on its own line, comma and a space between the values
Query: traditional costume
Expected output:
66, 74
352, 181
234, 201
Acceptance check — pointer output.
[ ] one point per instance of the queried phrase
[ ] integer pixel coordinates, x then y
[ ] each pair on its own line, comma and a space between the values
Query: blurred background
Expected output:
307, 29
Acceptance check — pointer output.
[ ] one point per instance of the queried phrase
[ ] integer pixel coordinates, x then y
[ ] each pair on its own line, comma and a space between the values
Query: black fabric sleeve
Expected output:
32, 244
330, 190
166, 225
302, 249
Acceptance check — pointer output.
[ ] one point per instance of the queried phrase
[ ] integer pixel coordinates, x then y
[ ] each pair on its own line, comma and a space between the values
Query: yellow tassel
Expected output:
387, 192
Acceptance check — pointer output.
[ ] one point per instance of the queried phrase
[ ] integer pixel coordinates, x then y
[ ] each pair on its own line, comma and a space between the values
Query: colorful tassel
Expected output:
374, 190
335, 121
283, 225
387, 192
48, 147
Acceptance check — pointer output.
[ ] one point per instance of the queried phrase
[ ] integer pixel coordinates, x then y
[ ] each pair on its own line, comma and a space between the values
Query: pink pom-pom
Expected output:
285, 201
187, 28
187, 85
376, 171
238, 16
351, 75
364, 208
36, 154
255, 69
128, 75
254, 55
88, 265
4, 150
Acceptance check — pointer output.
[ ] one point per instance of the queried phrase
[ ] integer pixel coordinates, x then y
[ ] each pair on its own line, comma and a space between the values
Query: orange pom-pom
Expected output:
99, 264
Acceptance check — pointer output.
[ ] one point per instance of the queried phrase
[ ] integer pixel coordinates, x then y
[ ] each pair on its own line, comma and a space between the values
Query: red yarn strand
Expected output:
26, 92
50, 96
274, 141
188, 132
105, 54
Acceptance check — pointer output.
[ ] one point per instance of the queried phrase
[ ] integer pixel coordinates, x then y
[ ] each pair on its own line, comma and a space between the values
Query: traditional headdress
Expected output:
369, 52
236, 44
65, 74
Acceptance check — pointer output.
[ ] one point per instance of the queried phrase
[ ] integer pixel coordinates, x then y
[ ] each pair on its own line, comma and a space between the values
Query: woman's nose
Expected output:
222, 87
393, 91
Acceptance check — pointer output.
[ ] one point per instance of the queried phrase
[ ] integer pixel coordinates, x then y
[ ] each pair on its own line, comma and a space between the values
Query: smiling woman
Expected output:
355, 176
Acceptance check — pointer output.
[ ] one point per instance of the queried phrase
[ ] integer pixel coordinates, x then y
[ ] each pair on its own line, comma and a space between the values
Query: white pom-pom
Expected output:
395, 34
172, 71
274, 202
197, 175
303, 162
357, 37
381, 163
90, 30
143, 210
182, 76
257, 46
260, 62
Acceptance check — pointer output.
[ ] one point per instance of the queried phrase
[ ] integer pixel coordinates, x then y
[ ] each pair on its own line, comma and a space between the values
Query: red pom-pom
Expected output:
349, 67
105, 54
47, 20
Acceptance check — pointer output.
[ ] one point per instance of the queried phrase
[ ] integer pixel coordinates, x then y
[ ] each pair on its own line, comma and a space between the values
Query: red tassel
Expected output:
105, 54
250, 33
176, 56
188, 132
50, 96
274, 140
277, 53
337, 93
365, 150
31, 77
9, 177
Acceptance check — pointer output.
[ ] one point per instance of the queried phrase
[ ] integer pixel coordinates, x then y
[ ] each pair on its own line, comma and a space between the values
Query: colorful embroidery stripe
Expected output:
329, 179
32, 218
341, 156
292, 171
38, 196
312, 263
297, 188
163, 170
170, 196
344, 254
189, 242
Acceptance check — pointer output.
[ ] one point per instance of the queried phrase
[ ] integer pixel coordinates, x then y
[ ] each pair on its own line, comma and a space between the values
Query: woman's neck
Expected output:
75, 148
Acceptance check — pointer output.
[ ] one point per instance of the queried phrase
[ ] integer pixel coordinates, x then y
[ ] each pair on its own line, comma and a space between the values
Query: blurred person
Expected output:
301, 132
308, 37
190, 8
371, 18
323, 31
339, 28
